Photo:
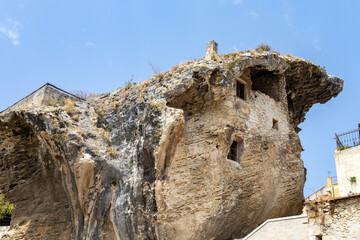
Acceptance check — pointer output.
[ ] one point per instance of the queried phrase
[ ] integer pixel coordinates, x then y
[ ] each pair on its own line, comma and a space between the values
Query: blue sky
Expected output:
96, 46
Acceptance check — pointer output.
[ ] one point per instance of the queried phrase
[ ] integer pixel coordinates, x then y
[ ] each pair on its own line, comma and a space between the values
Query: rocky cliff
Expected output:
151, 160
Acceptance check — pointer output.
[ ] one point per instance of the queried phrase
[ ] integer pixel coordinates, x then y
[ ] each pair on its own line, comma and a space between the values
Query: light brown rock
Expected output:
149, 161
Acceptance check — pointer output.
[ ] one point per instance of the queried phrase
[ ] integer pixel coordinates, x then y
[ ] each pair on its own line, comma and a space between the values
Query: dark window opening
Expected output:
275, 124
240, 90
236, 151
233, 151
5, 221
268, 83
319, 237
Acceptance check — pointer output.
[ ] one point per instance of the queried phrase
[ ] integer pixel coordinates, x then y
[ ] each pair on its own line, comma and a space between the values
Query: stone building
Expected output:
331, 219
339, 217
46, 95
346, 156
335, 219
331, 190
207, 150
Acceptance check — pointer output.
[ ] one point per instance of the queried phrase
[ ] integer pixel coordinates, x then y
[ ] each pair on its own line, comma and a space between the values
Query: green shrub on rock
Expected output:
5, 207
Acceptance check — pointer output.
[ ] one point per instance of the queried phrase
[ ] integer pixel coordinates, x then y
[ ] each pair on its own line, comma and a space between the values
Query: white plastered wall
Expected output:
348, 165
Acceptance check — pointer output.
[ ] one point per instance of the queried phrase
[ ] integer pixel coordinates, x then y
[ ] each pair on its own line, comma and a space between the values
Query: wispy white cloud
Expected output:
288, 18
11, 31
254, 14
237, 2
90, 44
316, 44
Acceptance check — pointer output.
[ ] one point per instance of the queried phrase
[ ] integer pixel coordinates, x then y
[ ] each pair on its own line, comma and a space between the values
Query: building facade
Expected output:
348, 170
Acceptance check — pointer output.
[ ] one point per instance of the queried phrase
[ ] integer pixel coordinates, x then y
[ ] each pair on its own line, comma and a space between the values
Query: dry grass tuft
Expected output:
69, 106
106, 134
264, 47
112, 152
174, 68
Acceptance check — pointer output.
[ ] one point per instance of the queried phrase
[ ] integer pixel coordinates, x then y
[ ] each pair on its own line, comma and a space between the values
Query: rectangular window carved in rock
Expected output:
275, 124
236, 151
240, 90
233, 151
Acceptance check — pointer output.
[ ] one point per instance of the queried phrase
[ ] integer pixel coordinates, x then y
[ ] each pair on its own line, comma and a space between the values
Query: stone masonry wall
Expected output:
335, 219
32, 100
44, 96
203, 180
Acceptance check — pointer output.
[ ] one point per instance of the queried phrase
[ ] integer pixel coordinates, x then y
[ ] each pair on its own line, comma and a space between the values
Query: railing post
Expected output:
338, 142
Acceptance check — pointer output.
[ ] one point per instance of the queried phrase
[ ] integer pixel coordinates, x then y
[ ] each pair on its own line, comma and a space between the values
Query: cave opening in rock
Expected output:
236, 150
266, 82
233, 151
5, 221
275, 124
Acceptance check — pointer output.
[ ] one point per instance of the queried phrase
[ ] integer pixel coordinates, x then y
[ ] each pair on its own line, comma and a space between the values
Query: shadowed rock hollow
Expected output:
208, 150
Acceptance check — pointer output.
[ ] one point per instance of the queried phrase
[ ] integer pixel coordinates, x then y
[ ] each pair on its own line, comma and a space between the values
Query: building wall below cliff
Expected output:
335, 219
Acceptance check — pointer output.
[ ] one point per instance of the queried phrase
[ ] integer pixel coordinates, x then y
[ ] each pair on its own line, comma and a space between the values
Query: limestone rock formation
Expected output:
207, 150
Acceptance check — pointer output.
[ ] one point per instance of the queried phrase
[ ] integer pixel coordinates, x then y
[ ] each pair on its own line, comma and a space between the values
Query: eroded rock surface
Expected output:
151, 160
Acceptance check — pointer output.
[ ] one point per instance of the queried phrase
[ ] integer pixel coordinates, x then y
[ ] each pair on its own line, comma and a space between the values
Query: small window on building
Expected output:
236, 150
275, 124
240, 90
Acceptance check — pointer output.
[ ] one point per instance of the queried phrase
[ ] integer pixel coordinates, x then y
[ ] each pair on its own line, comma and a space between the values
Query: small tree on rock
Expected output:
264, 47
5, 207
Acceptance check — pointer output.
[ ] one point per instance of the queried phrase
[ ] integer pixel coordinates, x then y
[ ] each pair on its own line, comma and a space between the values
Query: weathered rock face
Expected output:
150, 160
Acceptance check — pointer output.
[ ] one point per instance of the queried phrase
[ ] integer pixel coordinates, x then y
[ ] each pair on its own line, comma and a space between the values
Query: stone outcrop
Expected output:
151, 160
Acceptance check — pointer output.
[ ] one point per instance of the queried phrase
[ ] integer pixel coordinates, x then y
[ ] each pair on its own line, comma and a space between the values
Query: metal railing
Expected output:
348, 139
